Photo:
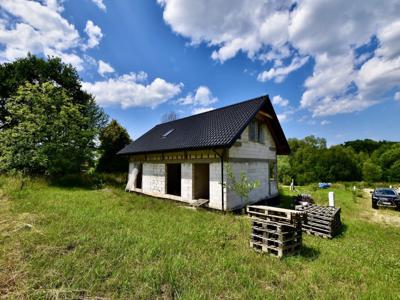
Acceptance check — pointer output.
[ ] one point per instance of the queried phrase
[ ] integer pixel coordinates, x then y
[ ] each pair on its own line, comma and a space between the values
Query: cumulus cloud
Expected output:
344, 78
100, 4
280, 73
38, 28
94, 33
201, 97
104, 68
199, 110
131, 90
278, 100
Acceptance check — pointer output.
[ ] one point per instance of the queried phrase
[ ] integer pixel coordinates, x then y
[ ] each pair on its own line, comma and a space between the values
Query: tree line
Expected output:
311, 160
50, 126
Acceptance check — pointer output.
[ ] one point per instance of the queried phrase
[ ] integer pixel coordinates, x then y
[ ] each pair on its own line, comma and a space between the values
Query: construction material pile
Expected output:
323, 221
275, 231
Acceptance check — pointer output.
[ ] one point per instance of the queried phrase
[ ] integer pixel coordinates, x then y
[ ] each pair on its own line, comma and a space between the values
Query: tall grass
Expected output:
107, 243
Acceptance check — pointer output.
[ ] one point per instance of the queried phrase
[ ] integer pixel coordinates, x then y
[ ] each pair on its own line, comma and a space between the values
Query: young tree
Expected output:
45, 132
113, 138
242, 186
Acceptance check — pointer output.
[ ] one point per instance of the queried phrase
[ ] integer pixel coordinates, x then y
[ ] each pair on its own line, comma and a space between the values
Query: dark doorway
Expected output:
201, 181
174, 179
139, 176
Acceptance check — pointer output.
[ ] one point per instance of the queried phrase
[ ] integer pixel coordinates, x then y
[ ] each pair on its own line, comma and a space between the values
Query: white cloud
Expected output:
325, 122
104, 68
282, 117
199, 110
229, 25
38, 28
202, 97
100, 4
344, 80
397, 96
94, 33
54, 5
280, 73
278, 100
129, 90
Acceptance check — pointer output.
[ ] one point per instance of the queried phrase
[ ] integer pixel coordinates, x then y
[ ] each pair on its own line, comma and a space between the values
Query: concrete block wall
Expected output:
246, 149
153, 180
215, 187
254, 171
186, 181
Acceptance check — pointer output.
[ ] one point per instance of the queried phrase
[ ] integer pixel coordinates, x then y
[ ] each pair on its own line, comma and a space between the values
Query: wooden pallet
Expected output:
318, 233
322, 221
275, 251
275, 226
200, 202
275, 214
282, 237
268, 239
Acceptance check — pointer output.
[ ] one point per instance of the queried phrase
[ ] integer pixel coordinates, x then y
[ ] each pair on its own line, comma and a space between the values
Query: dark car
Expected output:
385, 197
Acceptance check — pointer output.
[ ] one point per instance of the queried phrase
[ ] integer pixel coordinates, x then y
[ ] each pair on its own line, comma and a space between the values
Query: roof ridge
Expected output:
220, 108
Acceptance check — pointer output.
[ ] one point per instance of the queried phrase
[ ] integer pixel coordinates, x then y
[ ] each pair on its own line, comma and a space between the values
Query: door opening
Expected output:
201, 181
173, 179
139, 176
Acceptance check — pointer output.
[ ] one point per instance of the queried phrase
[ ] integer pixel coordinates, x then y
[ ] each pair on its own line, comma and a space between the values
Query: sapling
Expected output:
242, 186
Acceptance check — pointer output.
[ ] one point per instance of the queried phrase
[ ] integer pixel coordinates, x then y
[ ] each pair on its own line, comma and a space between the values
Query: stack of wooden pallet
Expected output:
322, 221
275, 231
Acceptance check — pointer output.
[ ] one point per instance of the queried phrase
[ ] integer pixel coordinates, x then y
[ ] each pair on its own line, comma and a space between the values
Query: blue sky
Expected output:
329, 74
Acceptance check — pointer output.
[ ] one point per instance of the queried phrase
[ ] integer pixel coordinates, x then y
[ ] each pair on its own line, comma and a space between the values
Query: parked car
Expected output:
385, 197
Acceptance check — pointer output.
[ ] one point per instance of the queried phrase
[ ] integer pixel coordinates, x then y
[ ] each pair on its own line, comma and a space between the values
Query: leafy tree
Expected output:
45, 132
37, 70
113, 138
394, 172
284, 170
371, 171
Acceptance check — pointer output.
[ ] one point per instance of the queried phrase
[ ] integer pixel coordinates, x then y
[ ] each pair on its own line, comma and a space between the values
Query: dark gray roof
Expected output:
218, 128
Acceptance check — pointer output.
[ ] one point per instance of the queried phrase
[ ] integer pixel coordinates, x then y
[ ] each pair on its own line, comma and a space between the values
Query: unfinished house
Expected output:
187, 159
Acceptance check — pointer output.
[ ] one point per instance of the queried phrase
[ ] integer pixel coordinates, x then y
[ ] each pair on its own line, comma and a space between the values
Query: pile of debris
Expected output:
275, 231
321, 221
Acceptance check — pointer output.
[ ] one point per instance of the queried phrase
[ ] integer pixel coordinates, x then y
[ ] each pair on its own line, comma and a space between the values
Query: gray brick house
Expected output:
187, 159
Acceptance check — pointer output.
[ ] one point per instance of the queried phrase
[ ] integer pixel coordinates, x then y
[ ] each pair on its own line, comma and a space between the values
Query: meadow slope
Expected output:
64, 243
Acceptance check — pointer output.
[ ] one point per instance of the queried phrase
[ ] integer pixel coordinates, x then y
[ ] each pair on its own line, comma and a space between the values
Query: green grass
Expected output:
67, 243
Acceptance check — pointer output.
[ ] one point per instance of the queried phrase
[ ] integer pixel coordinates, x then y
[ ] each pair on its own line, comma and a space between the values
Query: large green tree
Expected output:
33, 69
36, 96
45, 132
112, 139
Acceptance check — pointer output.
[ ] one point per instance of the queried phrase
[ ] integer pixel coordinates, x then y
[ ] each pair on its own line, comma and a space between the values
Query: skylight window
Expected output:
167, 133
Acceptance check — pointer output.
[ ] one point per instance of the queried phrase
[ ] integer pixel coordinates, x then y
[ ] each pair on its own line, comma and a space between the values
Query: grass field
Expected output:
64, 243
